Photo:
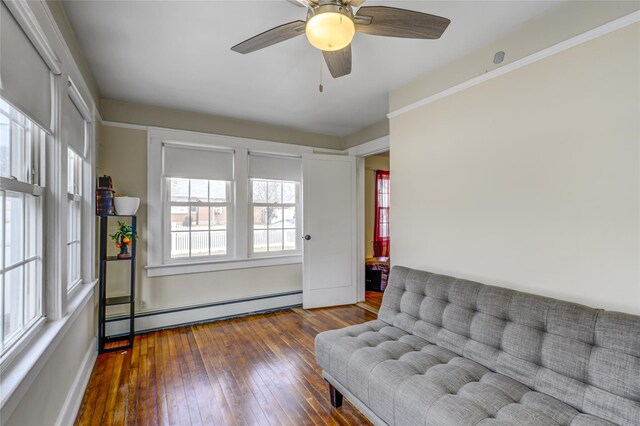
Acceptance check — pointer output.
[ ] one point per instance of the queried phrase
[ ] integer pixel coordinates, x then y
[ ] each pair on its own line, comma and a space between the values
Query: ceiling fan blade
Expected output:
394, 22
270, 37
339, 61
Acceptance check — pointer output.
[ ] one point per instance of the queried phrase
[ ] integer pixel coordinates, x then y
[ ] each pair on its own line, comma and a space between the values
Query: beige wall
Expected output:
125, 112
530, 180
43, 401
123, 156
371, 163
568, 20
367, 134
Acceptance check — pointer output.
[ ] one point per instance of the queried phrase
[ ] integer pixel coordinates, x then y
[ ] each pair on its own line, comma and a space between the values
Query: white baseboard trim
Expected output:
145, 322
71, 405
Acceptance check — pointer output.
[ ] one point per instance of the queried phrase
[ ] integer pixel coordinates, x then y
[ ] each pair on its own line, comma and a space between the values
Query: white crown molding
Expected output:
120, 125
26, 19
617, 24
369, 148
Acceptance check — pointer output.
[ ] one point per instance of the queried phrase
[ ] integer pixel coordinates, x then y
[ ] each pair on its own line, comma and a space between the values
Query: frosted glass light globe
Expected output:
330, 31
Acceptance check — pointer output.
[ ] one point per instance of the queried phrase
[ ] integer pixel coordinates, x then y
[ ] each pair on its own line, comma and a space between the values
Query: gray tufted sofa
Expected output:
446, 351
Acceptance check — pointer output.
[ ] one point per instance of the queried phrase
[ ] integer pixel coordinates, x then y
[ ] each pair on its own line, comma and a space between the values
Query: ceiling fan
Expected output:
331, 25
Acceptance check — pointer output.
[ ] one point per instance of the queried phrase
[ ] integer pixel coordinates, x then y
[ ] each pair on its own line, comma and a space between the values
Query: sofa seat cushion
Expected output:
406, 380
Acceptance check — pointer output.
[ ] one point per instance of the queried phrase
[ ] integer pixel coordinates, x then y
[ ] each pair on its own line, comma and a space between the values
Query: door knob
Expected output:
307, 237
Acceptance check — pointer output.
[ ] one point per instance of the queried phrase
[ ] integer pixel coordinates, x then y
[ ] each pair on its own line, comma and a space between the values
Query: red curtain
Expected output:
381, 225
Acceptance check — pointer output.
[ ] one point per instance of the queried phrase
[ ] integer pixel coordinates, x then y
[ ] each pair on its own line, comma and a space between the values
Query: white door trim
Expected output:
375, 146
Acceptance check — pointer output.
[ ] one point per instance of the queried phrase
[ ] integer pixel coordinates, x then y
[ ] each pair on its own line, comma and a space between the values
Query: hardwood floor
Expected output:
254, 370
373, 298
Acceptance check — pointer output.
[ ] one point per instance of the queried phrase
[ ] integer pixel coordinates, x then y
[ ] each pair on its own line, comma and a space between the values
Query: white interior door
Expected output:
329, 229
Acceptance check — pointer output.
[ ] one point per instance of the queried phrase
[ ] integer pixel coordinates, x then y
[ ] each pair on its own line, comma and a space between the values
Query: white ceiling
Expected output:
177, 54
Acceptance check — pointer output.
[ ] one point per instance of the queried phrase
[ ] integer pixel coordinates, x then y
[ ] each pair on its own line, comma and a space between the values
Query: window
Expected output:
74, 219
215, 204
274, 213
198, 217
21, 236
381, 225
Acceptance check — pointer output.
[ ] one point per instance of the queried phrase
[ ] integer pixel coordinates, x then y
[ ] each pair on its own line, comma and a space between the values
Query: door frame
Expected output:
361, 151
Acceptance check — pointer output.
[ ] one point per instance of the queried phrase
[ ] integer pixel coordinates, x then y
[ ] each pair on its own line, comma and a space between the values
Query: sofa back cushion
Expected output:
585, 357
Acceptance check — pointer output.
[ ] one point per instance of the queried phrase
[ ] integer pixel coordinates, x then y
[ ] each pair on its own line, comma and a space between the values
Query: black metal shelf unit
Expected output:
103, 338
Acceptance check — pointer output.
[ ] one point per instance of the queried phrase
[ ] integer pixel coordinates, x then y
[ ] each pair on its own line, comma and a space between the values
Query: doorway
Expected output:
377, 244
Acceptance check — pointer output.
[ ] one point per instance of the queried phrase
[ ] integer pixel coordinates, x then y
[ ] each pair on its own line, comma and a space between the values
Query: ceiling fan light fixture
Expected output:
330, 29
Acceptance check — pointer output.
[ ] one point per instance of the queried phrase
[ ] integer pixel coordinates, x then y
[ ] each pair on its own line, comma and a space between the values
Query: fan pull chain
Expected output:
321, 87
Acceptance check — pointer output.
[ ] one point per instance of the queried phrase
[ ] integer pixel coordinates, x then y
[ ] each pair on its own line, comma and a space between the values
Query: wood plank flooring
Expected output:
373, 298
255, 370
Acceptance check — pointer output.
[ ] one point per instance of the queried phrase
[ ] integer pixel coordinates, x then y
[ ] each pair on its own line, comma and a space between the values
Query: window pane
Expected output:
218, 243
259, 241
70, 172
218, 217
32, 225
384, 215
290, 239
275, 217
218, 191
18, 169
179, 244
2, 227
14, 227
199, 191
13, 302
179, 189
4, 106
259, 191
274, 192
289, 217
260, 215
199, 218
275, 240
32, 291
5, 153
288, 192
200, 243
180, 218
70, 220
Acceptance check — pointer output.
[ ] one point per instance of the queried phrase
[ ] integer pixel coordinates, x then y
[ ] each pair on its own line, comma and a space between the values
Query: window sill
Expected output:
23, 369
220, 265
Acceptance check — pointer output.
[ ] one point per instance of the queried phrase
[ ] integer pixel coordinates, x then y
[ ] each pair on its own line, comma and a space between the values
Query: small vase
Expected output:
124, 250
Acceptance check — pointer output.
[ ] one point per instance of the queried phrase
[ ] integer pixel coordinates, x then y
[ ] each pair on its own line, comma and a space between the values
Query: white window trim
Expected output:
240, 258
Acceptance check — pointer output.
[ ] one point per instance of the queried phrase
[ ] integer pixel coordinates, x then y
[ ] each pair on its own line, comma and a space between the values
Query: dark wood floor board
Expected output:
297, 391
254, 370
222, 407
281, 385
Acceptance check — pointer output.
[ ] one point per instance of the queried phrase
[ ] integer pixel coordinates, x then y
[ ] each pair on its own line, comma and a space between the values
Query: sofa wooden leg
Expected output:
336, 396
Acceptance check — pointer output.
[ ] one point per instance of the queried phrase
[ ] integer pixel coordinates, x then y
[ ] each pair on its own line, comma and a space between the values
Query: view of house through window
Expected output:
274, 211
20, 225
199, 210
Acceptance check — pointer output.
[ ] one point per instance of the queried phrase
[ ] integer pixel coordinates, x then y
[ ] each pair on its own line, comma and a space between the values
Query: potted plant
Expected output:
123, 239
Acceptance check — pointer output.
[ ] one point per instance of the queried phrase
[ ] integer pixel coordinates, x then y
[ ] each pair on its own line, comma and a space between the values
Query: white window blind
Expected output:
25, 77
263, 166
73, 127
197, 163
